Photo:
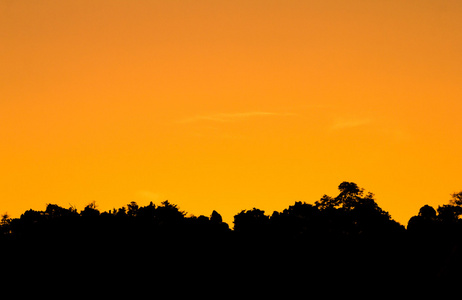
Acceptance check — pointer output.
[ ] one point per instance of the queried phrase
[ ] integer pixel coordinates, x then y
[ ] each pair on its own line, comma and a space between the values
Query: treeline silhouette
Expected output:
344, 236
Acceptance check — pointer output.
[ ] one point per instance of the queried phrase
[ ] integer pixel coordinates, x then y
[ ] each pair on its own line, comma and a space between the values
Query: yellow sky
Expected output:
228, 105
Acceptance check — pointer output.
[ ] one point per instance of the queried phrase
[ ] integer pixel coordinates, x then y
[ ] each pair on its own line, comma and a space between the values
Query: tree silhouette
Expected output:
352, 213
6, 220
216, 217
132, 209
169, 214
456, 199
451, 213
327, 202
147, 212
301, 221
436, 238
425, 224
427, 212
90, 211
348, 235
252, 221
5, 223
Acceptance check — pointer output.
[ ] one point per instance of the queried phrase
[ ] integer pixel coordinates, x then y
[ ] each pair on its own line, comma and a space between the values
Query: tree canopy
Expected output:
350, 225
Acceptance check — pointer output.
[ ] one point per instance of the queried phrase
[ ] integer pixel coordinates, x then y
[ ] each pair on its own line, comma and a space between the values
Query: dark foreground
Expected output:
342, 240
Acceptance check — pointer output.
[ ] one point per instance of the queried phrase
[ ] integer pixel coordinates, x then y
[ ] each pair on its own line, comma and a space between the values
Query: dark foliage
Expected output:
346, 236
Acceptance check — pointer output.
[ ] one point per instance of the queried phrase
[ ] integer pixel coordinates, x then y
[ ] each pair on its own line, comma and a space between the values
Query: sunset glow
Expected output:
229, 105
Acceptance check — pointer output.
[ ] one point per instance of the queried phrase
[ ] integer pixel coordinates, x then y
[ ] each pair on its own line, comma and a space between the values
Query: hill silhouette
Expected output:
345, 236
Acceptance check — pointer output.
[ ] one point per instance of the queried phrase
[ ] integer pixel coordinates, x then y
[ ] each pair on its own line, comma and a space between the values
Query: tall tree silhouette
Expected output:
353, 213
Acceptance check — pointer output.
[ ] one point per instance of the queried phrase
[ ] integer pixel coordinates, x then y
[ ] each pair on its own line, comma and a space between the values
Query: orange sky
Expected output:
228, 105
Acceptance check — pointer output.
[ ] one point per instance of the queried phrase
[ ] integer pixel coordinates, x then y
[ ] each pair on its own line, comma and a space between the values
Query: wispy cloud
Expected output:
349, 123
231, 117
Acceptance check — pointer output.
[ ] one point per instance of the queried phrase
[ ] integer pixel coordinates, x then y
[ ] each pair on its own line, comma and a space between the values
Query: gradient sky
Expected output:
229, 105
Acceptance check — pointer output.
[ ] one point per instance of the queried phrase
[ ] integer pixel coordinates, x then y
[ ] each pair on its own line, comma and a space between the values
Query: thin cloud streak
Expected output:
231, 117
